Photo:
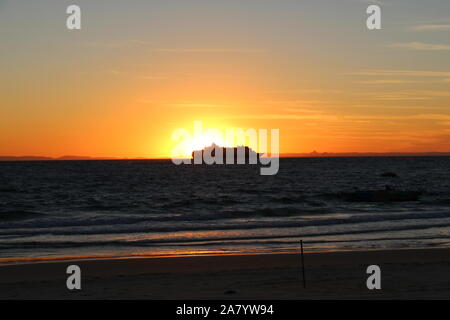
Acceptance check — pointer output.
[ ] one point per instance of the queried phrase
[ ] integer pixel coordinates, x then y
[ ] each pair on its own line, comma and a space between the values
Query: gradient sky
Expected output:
139, 69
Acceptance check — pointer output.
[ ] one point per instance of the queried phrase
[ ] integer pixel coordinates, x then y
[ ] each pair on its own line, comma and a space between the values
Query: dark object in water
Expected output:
237, 155
230, 292
381, 196
389, 175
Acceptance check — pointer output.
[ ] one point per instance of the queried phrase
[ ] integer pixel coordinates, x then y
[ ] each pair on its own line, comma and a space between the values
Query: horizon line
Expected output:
312, 154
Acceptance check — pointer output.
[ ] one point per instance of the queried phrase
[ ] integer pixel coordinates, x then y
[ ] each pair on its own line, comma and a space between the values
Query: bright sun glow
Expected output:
200, 142
189, 141
206, 140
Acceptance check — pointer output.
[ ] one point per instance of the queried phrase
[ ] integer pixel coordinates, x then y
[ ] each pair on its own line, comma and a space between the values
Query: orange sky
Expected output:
120, 89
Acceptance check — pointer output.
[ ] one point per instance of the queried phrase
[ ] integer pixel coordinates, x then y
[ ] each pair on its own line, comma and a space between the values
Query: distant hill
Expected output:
83, 158
315, 154
39, 158
24, 158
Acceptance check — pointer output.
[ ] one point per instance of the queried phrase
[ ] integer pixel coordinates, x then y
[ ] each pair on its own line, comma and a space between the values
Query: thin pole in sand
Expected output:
303, 264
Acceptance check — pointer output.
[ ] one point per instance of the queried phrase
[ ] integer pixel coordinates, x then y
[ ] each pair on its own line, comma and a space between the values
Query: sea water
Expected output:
155, 208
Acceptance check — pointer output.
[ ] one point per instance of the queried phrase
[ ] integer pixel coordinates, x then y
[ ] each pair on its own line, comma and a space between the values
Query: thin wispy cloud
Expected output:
425, 116
432, 116
420, 46
152, 77
154, 48
406, 73
400, 97
409, 107
116, 44
389, 81
432, 27
285, 117
307, 91
346, 118
292, 102
199, 105
412, 95
206, 50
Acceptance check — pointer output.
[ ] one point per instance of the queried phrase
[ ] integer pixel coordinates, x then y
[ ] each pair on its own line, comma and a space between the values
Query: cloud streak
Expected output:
420, 46
432, 27
406, 73
345, 118
389, 81
206, 50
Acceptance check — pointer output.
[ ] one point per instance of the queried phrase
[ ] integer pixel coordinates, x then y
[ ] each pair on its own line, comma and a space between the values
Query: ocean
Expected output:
133, 208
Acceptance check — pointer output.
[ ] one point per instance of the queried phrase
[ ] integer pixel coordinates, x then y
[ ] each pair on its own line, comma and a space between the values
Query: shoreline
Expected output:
64, 259
406, 274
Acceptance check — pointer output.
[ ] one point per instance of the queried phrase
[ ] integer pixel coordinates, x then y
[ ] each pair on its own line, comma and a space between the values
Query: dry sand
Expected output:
406, 274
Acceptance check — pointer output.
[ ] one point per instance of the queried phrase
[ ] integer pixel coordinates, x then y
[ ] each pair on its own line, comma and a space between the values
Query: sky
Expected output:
138, 70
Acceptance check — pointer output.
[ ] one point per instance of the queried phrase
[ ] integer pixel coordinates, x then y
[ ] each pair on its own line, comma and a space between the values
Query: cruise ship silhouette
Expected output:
239, 155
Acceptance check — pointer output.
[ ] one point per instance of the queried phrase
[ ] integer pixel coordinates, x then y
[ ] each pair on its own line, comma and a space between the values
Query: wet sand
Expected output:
405, 274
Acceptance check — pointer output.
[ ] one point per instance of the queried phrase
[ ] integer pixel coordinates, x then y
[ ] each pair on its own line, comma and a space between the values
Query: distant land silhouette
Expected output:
316, 154
40, 158
313, 154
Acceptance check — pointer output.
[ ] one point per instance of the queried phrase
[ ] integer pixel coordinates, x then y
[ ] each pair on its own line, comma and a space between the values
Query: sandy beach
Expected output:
405, 274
